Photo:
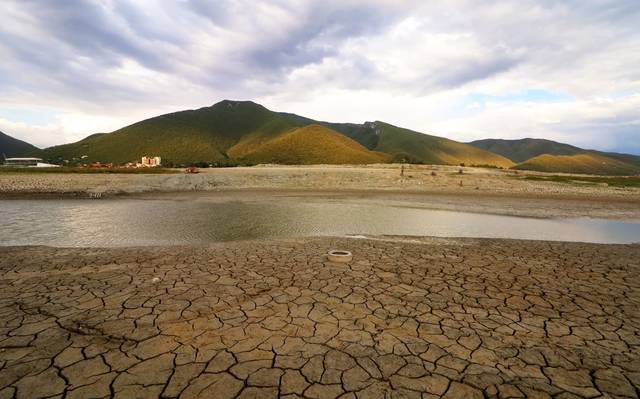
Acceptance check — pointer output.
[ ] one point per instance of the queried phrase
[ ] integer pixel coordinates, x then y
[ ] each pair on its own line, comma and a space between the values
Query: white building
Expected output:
151, 161
27, 163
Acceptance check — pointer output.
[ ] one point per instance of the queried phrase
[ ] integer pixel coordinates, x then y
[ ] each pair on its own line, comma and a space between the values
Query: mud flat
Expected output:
408, 317
427, 186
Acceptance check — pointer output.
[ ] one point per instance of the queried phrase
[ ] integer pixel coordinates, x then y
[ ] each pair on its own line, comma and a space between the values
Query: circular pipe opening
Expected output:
340, 256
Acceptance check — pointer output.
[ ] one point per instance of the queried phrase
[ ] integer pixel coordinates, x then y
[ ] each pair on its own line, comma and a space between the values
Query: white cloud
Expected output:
106, 64
589, 123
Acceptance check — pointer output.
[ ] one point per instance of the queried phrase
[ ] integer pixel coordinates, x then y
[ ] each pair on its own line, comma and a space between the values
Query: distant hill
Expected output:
536, 154
411, 146
523, 149
314, 144
243, 132
586, 163
204, 134
628, 158
230, 131
12, 147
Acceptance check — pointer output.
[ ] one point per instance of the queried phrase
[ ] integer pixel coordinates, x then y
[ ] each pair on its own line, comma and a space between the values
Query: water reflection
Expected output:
159, 222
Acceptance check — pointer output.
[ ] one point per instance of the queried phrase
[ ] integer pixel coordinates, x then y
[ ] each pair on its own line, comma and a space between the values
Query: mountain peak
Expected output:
236, 103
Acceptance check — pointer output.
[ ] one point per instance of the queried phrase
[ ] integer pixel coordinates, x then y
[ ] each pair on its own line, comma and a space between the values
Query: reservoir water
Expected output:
133, 222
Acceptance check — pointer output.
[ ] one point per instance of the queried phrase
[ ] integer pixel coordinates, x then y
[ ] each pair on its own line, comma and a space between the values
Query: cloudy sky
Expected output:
463, 69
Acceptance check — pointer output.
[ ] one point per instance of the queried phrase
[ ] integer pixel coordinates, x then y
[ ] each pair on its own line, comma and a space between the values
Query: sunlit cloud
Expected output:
561, 70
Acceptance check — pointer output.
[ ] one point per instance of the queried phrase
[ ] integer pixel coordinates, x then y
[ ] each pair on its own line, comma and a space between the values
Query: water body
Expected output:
133, 222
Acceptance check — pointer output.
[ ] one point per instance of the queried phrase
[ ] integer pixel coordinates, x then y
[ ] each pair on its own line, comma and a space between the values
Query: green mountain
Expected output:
627, 158
523, 149
314, 144
411, 146
237, 131
584, 163
551, 156
12, 147
205, 134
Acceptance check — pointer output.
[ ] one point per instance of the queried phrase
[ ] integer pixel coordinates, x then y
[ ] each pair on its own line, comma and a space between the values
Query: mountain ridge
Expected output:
228, 130
582, 163
244, 132
519, 150
551, 156
13, 147
314, 144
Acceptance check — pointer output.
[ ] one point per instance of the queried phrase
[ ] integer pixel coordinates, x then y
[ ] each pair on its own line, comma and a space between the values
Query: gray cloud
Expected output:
98, 36
89, 30
113, 56
476, 69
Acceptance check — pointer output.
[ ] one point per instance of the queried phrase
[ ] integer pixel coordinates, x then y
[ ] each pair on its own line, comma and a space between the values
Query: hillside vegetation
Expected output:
238, 131
528, 152
407, 145
314, 144
12, 147
586, 163
204, 134
245, 133
627, 158
524, 149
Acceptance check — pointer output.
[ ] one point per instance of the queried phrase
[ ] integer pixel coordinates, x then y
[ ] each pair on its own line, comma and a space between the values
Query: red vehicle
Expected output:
192, 169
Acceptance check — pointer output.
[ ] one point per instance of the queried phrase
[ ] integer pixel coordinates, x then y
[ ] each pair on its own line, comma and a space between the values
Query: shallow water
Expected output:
129, 222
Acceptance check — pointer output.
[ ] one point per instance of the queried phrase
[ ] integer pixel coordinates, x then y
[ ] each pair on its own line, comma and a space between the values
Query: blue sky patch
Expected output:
533, 95
32, 116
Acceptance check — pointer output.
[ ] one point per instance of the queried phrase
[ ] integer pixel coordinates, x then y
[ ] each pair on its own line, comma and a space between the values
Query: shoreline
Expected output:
412, 178
543, 205
448, 317
389, 239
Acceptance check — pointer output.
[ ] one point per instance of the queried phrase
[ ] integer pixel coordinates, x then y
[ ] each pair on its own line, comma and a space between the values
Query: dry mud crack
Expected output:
407, 318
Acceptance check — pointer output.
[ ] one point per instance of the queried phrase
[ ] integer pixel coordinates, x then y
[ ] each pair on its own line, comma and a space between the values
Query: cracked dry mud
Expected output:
407, 318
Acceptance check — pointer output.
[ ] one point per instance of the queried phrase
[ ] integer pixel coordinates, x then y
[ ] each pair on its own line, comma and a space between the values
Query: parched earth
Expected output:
407, 318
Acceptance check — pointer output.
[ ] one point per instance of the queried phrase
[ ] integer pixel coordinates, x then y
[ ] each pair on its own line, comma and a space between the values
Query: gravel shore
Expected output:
414, 178
427, 186
407, 318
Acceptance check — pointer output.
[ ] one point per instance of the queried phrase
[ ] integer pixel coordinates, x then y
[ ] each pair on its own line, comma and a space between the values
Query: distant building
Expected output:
150, 161
27, 163
18, 162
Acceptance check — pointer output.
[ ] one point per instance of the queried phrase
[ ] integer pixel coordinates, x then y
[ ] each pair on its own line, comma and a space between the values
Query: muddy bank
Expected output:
432, 187
542, 206
408, 316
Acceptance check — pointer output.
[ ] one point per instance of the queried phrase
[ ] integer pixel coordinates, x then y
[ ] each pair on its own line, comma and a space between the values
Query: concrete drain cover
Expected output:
340, 256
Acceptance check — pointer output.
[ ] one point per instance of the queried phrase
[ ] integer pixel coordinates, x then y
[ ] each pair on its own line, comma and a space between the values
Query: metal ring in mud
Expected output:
340, 256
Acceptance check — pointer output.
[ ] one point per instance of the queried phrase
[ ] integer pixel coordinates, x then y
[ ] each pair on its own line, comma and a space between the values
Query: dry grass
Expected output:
314, 144
586, 163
